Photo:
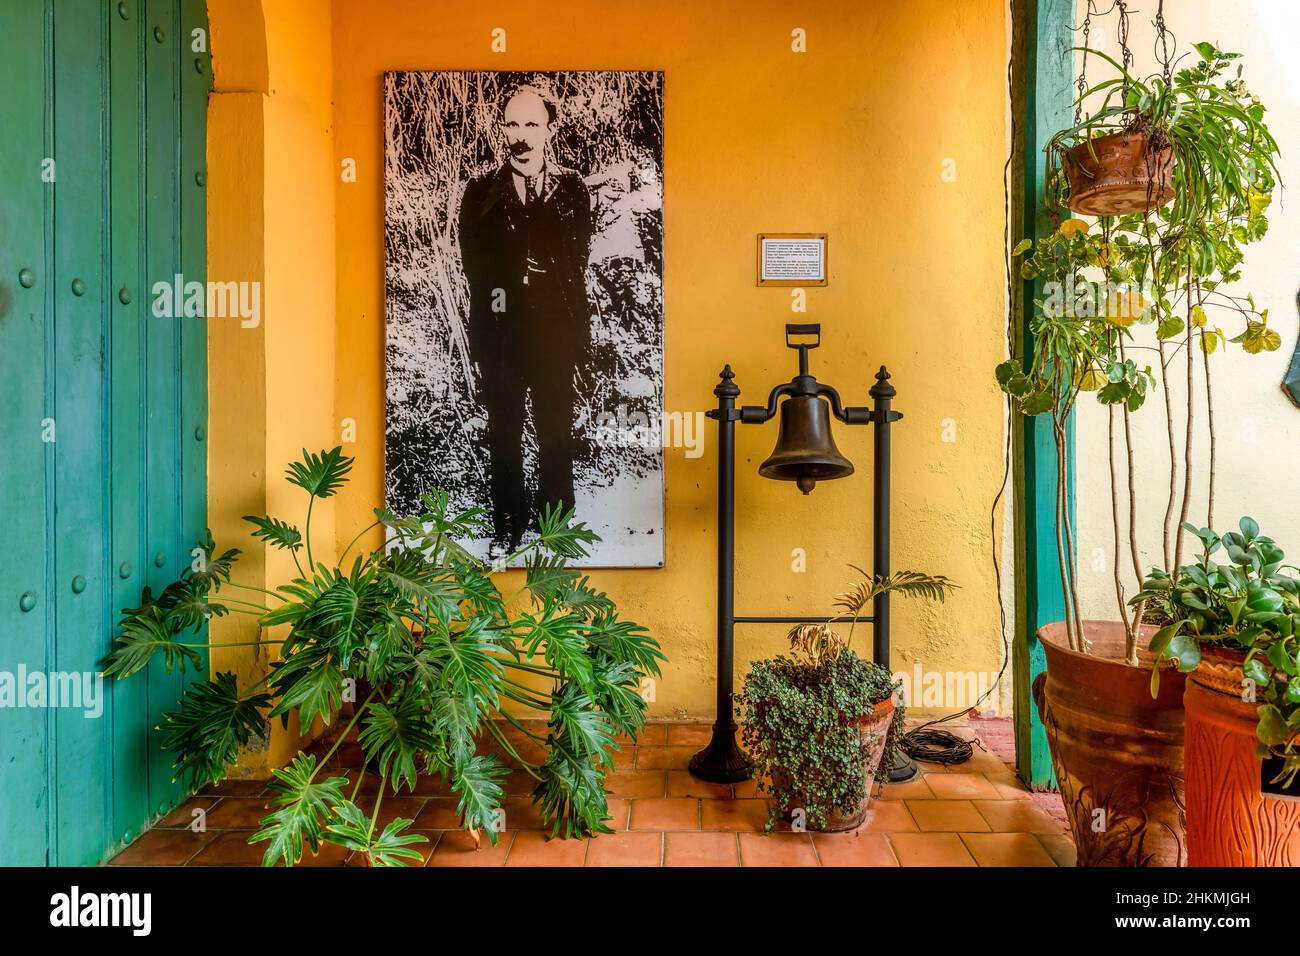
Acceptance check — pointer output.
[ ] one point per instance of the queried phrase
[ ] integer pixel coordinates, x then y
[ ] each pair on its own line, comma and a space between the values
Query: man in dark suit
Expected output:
525, 237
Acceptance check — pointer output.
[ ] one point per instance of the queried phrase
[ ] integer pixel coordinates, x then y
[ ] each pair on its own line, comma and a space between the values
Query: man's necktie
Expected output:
530, 190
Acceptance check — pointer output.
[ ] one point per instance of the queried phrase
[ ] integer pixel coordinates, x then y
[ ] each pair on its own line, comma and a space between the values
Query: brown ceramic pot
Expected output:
873, 731
1118, 174
1229, 822
1118, 754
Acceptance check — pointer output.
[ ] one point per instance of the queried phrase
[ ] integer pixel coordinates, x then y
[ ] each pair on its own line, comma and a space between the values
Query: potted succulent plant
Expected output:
1162, 273
1234, 628
818, 723
441, 655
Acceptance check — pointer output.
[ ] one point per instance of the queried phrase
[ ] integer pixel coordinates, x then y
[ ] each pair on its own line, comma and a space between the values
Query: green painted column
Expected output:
1042, 102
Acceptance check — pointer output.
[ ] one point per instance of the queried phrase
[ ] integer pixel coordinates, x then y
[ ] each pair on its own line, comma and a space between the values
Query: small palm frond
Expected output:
909, 583
818, 641
320, 475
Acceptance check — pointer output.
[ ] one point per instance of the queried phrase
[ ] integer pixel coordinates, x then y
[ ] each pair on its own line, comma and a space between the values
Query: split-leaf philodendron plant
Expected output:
1170, 270
441, 656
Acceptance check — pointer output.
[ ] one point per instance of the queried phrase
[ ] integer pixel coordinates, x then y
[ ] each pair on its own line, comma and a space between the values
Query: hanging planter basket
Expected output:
1118, 174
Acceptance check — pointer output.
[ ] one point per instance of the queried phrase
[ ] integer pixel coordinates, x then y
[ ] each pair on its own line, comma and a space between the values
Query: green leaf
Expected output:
1187, 650
1255, 670
1160, 641
145, 632
304, 805
393, 736
321, 475
389, 848
276, 532
561, 535
1272, 728
213, 722
1169, 327
478, 781
310, 683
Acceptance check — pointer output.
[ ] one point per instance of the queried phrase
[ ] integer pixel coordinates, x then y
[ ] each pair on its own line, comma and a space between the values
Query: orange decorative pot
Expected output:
1118, 174
1117, 753
873, 732
1229, 822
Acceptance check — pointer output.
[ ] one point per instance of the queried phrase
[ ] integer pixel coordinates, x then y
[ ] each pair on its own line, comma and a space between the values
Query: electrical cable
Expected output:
942, 746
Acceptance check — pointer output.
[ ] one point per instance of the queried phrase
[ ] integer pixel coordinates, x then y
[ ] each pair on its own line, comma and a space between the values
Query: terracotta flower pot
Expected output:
1229, 822
1118, 174
1118, 754
873, 731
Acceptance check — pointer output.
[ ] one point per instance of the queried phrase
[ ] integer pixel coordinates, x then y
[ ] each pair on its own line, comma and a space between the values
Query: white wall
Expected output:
1258, 428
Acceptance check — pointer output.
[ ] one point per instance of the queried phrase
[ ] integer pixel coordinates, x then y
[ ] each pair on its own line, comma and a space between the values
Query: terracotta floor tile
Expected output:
747, 788
664, 758
672, 813
519, 783
162, 848
331, 854
456, 848
348, 755
1006, 849
620, 810
522, 814
652, 735
930, 849
238, 813
777, 849
914, 789
182, 818
234, 788
962, 786
1015, 816
1059, 846
733, 814
429, 785
625, 849
637, 783
439, 813
979, 762
531, 848
1008, 786
946, 815
689, 735
681, 783
854, 849
232, 849
700, 849
391, 807
625, 759
888, 816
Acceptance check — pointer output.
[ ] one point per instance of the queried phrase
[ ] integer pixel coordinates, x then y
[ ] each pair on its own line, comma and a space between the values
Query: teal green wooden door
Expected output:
103, 402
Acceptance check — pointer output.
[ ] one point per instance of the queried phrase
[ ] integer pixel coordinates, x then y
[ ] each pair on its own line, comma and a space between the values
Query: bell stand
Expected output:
722, 761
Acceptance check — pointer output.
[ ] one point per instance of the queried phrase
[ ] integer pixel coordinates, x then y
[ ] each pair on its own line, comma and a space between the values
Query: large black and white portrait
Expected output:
523, 220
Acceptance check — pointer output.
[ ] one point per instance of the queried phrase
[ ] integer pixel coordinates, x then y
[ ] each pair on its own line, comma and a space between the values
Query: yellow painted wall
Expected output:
850, 138
271, 221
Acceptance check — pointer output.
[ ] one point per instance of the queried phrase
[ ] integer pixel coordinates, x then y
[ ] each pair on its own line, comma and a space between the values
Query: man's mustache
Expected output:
519, 148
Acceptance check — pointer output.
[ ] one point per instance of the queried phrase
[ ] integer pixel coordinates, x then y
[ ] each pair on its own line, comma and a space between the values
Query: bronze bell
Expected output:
805, 451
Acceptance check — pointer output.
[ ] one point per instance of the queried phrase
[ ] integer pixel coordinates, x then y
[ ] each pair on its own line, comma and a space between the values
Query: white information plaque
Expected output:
792, 258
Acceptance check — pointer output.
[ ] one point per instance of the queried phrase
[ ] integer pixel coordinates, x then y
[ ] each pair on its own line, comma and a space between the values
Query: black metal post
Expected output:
722, 761
901, 767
